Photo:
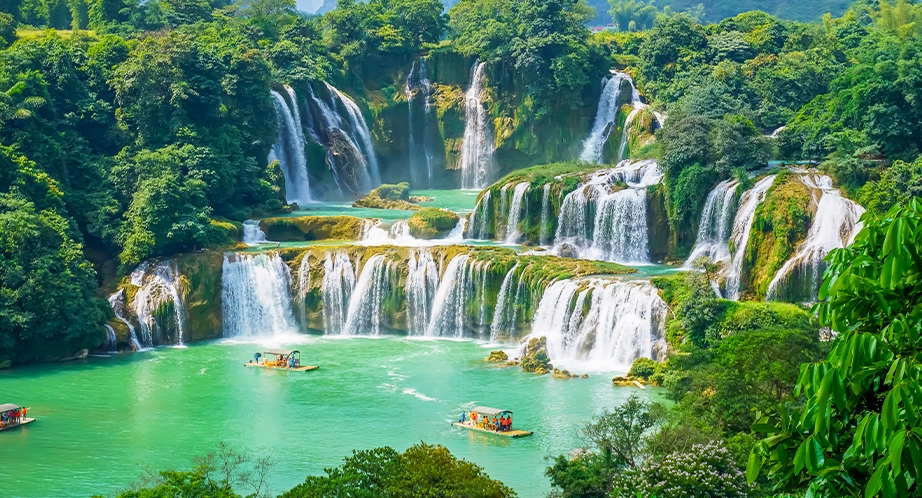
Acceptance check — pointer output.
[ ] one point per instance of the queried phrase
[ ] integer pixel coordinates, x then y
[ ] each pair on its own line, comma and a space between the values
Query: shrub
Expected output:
705, 470
643, 367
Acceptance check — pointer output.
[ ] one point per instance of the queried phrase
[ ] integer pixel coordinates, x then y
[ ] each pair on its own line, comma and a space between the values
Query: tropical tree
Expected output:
859, 430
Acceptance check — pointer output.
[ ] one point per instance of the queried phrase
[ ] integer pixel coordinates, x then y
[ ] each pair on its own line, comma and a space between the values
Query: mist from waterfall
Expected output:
602, 221
625, 321
742, 227
477, 145
289, 148
336, 290
256, 296
716, 226
833, 227
606, 116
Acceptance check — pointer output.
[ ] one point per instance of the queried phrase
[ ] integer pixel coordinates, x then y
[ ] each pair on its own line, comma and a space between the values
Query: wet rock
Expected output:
585, 376
567, 251
563, 374
5, 364
627, 380
497, 356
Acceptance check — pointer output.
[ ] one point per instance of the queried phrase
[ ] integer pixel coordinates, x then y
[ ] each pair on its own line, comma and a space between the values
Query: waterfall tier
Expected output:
602, 220
252, 234
158, 304
742, 228
421, 158
834, 226
716, 225
600, 324
256, 296
289, 147
477, 145
606, 116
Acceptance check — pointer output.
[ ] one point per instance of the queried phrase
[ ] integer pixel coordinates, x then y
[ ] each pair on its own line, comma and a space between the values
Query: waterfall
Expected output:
422, 284
371, 176
513, 234
289, 148
477, 146
834, 226
158, 294
545, 230
481, 217
625, 321
451, 299
376, 233
304, 286
117, 302
422, 85
503, 323
742, 226
365, 314
617, 229
111, 339
336, 289
606, 116
503, 211
252, 234
256, 296
716, 224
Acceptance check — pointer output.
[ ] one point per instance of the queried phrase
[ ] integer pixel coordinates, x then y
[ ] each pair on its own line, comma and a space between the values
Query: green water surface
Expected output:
102, 420
459, 201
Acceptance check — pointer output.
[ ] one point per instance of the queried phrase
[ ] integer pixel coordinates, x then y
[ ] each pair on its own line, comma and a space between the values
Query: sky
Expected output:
309, 5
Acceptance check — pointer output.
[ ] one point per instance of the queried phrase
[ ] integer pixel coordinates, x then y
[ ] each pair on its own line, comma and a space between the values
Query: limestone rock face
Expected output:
535, 358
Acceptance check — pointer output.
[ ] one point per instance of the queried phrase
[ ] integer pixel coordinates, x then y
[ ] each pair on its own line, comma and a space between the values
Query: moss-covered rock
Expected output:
432, 223
781, 222
535, 358
304, 228
200, 277
497, 357
388, 197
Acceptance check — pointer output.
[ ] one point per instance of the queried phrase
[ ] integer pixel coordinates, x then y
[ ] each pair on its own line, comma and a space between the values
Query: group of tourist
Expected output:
12, 417
501, 424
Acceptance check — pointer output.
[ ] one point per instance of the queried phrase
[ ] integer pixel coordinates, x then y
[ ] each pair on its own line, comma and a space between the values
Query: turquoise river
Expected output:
102, 421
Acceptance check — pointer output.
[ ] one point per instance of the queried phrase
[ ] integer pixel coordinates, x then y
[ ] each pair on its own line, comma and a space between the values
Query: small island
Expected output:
392, 197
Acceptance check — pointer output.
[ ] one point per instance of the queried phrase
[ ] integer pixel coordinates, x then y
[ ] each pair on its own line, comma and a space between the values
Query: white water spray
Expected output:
256, 296
477, 146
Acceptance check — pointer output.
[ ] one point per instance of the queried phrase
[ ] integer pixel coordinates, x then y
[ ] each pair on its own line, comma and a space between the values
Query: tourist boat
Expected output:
481, 419
8, 419
281, 359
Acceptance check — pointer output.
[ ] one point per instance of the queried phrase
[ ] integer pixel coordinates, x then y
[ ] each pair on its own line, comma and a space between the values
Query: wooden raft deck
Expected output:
25, 421
305, 368
512, 433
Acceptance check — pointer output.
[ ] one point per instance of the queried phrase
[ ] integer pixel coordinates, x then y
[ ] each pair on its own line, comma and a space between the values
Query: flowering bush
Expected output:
707, 470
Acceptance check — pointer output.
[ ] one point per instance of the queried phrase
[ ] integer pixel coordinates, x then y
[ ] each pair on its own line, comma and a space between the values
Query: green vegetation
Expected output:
388, 197
432, 223
858, 430
300, 228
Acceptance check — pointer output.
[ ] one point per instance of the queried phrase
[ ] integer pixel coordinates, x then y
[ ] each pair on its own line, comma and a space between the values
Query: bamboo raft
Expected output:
512, 433
283, 359
305, 368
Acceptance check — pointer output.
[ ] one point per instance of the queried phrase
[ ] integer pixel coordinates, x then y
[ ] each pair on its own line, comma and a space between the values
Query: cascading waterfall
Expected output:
833, 227
622, 148
365, 313
252, 234
617, 231
481, 217
360, 128
158, 293
716, 224
503, 210
625, 321
304, 286
289, 148
544, 235
111, 339
421, 85
422, 284
336, 290
513, 234
742, 227
606, 116
256, 296
477, 146
503, 323
117, 302
450, 299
